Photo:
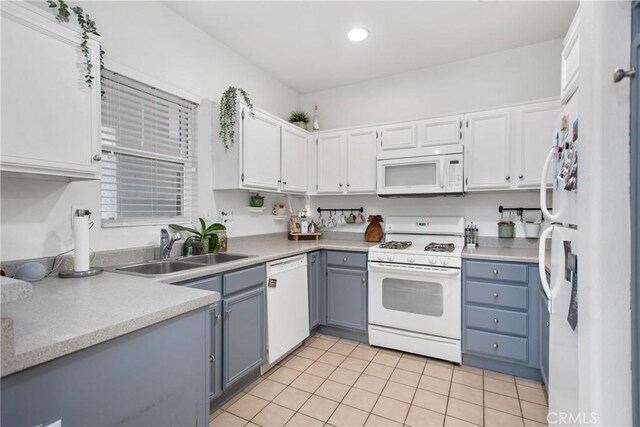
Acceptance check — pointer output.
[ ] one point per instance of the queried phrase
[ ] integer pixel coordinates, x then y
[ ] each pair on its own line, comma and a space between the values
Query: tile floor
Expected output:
337, 382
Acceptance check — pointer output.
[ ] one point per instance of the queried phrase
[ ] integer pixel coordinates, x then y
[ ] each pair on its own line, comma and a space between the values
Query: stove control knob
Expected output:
380, 256
412, 259
433, 260
444, 261
389, 257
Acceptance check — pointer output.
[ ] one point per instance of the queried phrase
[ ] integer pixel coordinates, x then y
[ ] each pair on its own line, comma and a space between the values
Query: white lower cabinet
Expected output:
50, 117
346, 162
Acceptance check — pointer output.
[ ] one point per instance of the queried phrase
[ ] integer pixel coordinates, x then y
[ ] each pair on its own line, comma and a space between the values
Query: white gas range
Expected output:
415, 284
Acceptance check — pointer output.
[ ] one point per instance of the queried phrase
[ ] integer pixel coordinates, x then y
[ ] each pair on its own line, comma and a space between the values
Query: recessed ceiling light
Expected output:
358, 34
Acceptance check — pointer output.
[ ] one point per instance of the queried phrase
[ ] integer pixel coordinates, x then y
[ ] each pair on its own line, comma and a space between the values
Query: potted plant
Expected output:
202, 241
228, 113
300, 119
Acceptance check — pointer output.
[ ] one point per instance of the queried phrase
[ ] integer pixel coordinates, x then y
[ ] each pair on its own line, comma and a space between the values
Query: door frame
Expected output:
635, 216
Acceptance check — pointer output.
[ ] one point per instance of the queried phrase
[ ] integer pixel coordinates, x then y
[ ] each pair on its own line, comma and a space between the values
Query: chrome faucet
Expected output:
166, 243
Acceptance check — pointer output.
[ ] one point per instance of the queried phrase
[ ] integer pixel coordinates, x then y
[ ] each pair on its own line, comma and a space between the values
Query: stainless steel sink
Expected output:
211, 259
157, 268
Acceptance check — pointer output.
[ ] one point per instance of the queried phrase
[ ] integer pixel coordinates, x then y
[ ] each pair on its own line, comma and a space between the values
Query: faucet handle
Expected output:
164, 234
176, 236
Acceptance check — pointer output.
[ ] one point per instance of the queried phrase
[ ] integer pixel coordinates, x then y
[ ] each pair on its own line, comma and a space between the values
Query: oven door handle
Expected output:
414, 270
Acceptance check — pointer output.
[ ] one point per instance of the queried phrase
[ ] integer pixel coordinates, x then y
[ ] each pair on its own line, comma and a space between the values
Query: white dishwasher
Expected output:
287, 305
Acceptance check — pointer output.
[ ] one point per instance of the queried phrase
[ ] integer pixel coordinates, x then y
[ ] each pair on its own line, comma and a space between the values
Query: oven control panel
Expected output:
399, 257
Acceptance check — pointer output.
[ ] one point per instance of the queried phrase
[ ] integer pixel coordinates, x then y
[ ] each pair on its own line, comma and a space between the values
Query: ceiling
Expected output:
304, 43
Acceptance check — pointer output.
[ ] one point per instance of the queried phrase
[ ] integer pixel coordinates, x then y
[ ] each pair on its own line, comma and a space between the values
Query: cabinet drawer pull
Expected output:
495, 295
344, 259
495, 272
495, 321
495, 345
97, 157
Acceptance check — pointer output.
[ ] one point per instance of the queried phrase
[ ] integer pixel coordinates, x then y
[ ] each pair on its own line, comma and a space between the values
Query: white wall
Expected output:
479, 208
512, 76
148, 38
604, 333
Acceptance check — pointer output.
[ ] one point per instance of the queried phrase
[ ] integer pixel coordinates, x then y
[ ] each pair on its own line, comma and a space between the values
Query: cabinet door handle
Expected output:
495, 321
495, 345
507, 178
218, 316
284, 182
97, 157
547, 323
228, 312
364, 279
520, 176
212, 358
495, 295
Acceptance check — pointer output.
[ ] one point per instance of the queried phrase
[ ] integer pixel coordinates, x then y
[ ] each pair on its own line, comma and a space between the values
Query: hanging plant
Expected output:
228, 112
88, 27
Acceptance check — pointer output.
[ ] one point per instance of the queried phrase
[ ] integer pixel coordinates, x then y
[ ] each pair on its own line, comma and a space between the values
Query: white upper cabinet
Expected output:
570, 65
442, 135
361, 160
50, 117
261, 151
487, 142
330, 150
534, 126
267, 154
397, 140
294, 160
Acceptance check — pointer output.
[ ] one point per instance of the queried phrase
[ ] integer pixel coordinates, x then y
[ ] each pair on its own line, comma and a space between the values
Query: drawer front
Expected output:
347, 259
497, 271
208, 284
496, 345
497, 295
243, 279
494, 320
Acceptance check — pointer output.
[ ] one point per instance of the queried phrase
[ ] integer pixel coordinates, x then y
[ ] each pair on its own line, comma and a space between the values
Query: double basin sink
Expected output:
174, 265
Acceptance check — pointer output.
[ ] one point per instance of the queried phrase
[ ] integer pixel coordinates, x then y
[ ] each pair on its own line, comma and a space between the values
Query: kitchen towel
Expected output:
81, 243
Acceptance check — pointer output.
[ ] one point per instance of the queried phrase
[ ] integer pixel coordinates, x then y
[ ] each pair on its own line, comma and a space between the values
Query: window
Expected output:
148, 152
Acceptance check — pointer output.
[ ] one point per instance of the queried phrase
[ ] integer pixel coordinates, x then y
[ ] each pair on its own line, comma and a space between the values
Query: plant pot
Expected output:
531, 230
301, 125
256, 201
222, 241
506, 229
200, 247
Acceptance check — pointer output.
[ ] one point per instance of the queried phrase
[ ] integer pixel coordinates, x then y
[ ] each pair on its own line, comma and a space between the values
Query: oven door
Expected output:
420, 175
416, 298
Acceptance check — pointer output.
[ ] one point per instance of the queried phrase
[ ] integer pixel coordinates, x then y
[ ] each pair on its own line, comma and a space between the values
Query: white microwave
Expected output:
427, 175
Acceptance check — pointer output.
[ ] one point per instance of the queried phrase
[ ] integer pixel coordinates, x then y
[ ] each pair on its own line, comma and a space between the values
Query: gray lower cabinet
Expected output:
347, 298
544, 337
214, 330
244, 337
315, 277
501, 317
155, 376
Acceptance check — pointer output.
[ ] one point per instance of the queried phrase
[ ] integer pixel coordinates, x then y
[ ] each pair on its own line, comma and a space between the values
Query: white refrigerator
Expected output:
562, 286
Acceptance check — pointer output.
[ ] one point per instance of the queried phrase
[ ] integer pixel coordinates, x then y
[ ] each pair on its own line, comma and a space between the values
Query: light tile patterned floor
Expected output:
337, 382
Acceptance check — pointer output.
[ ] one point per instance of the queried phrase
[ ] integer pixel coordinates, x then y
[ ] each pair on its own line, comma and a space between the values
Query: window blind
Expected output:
148, 154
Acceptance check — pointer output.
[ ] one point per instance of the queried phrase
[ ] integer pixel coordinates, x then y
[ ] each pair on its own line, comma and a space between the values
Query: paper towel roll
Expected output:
81, 243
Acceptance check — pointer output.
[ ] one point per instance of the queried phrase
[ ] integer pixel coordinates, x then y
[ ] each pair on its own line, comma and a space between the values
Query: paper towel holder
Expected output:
92, 271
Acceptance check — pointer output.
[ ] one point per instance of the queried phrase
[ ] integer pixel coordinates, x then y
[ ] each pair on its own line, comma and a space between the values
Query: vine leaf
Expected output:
88, 26
228, 113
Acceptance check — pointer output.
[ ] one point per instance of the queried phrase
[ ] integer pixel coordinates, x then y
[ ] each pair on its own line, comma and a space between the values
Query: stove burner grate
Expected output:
395, 245
440, 247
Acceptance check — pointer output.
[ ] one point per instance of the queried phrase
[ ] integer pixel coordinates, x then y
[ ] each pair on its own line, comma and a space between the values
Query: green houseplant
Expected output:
300, 119
228, 113
202, 241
